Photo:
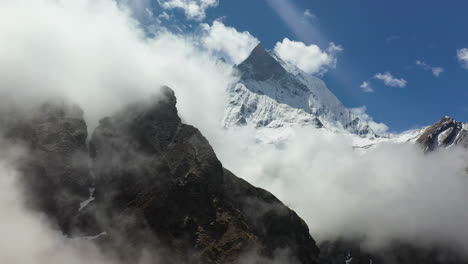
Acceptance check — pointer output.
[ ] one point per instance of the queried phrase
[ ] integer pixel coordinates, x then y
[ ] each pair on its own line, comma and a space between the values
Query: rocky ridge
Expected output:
151, 183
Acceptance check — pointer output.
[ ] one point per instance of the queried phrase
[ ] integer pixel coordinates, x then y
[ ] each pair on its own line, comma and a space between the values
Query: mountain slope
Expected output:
159, 189
273, 94
445, 133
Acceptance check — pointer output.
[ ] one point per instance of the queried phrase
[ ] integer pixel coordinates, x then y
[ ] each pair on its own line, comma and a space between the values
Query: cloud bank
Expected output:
391, 193
94, 54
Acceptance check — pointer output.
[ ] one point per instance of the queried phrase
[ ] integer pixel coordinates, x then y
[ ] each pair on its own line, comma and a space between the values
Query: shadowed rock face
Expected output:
165, 175
158, 186
55, 172
261, 66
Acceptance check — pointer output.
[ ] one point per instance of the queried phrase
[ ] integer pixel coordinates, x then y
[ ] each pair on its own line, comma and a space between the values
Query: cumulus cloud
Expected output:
193, 9
310, 59
378, 128
366, 87
436, 71
390, 80
462, 56
227, 41
98, 57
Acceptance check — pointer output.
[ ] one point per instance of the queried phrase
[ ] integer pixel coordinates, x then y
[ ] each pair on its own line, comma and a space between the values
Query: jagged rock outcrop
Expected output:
157, 187
163, 174
445, 133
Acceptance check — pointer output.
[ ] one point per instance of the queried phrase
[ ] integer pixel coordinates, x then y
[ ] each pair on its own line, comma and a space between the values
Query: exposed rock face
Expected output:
158, 186
261, 66
445, 133
164, 174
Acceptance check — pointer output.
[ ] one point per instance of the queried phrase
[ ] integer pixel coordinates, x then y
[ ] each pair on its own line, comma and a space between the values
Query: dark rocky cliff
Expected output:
159, 187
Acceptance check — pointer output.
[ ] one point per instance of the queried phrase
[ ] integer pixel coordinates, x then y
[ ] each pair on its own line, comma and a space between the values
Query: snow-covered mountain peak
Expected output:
272, 93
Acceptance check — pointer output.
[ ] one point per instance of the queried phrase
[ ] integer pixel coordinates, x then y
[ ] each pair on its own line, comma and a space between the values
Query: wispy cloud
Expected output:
293, 17
308, 14
390, 80
392, 38
366, 87
436, 71
387, 78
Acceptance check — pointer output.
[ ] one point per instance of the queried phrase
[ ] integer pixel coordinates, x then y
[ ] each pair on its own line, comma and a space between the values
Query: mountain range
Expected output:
273, 95
144, 180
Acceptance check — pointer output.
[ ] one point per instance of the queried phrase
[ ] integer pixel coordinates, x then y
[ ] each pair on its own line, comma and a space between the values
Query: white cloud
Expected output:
227, 41
344, 193
366, 87
462, 55
62, 62
390, 80
378, 128
436, 71
193, 9
310, 59
308, 14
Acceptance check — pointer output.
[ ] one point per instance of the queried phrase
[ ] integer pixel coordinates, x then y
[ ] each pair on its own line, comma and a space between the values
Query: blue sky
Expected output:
377, 36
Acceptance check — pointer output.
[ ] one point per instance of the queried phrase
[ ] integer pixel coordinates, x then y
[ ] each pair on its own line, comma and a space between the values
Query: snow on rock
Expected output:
276, 97
89, 200
271, 93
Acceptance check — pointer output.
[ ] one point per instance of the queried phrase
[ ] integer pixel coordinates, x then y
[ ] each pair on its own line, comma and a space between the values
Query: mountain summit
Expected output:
271, 93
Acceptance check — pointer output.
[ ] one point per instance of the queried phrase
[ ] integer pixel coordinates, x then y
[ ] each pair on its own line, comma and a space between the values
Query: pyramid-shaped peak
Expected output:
259, 50
261, 65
